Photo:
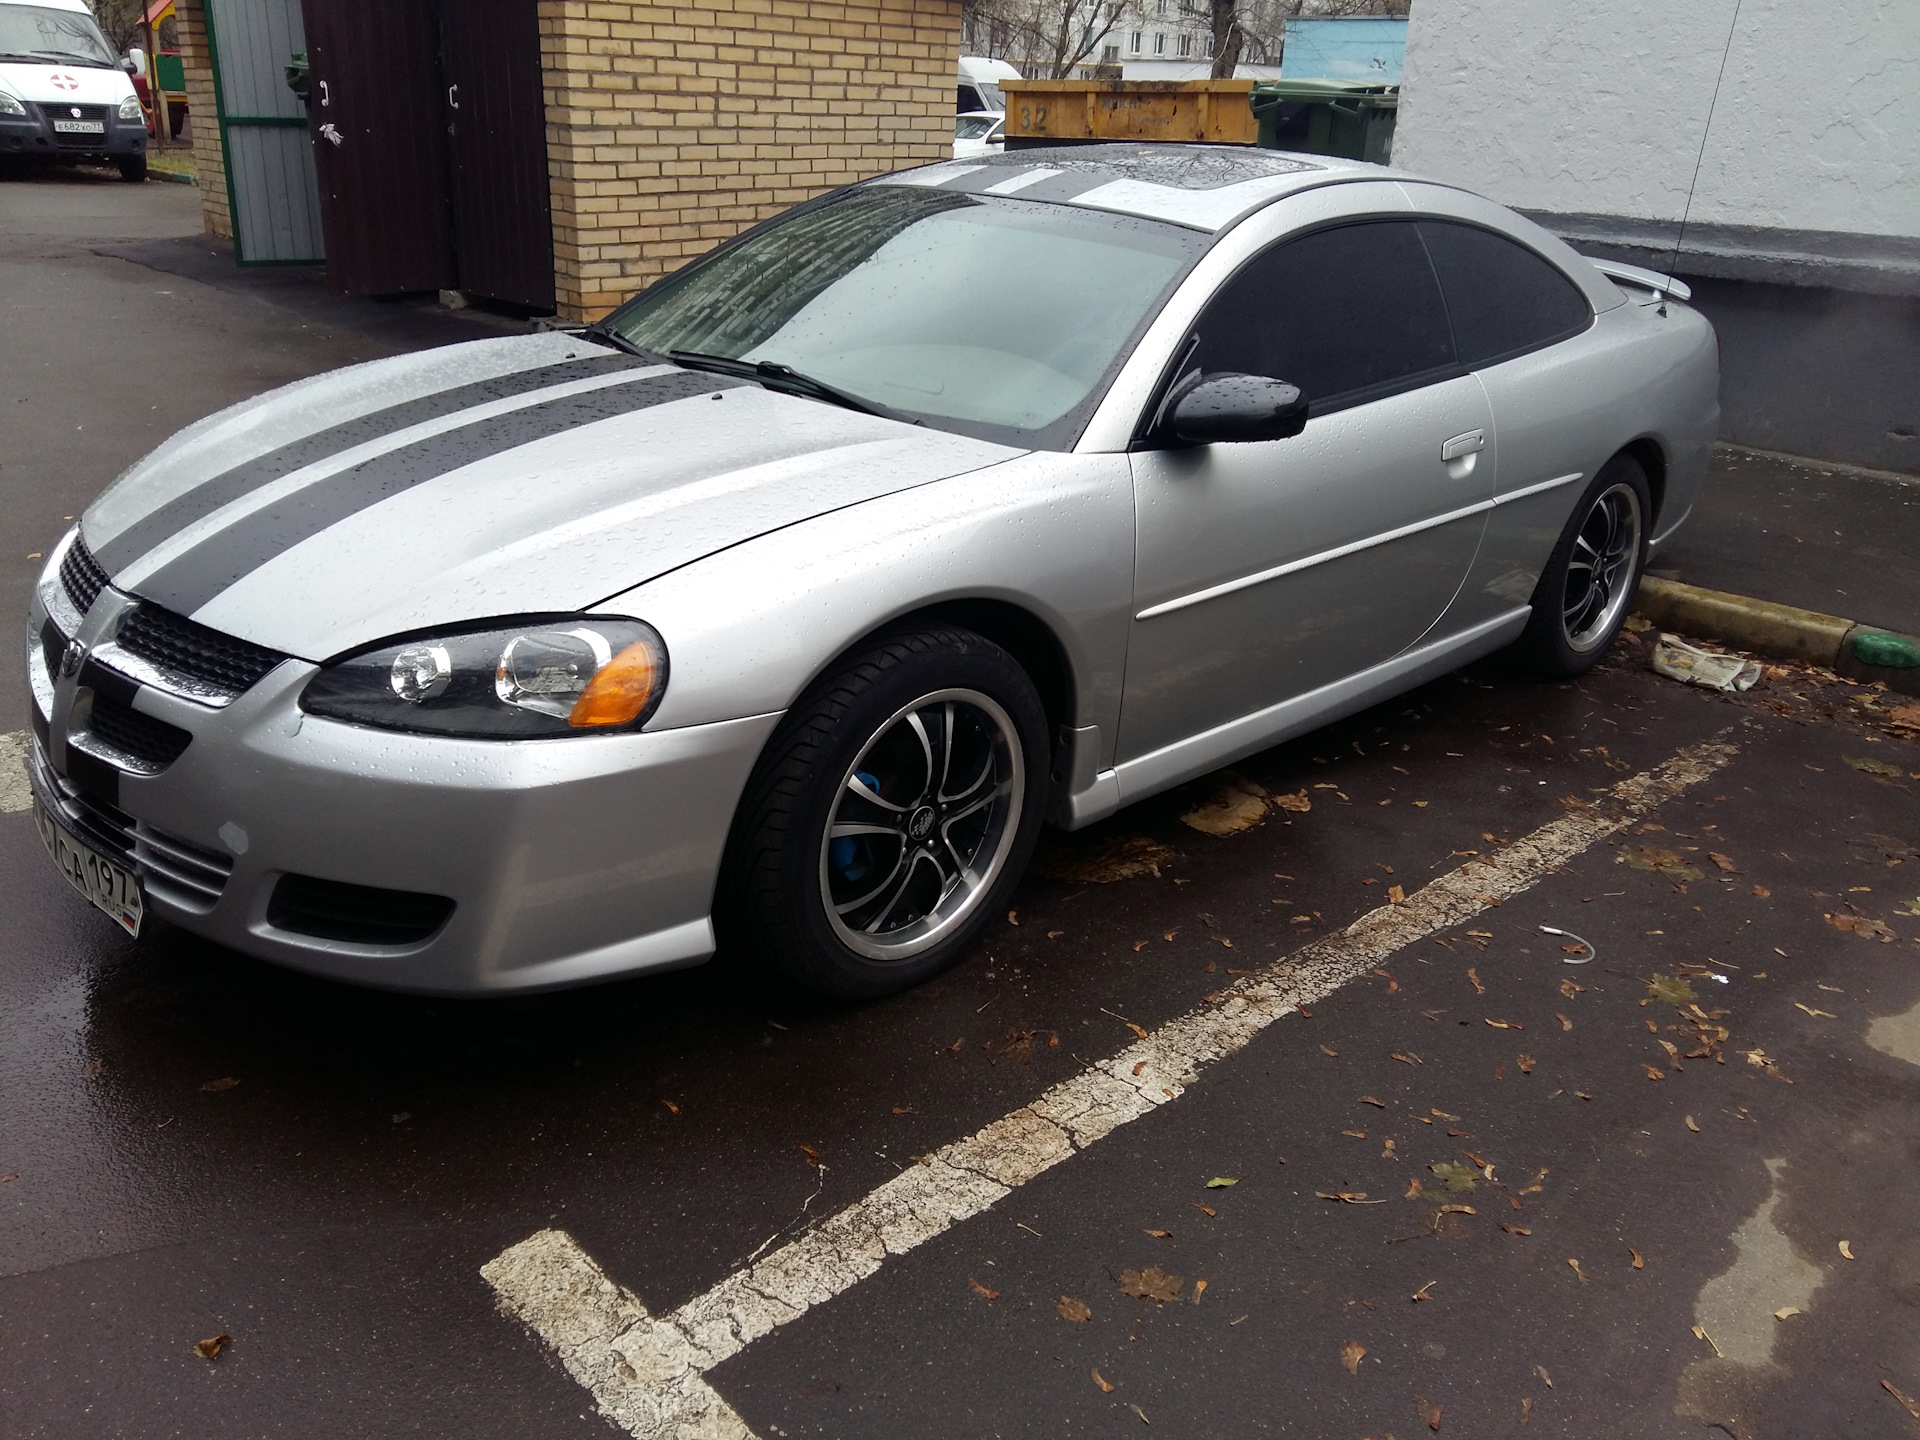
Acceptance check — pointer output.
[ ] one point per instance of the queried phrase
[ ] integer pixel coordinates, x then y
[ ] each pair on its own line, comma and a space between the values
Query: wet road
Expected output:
196, 1144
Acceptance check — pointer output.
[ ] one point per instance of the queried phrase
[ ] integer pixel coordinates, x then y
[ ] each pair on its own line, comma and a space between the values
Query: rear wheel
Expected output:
133, 168
891, 815
1584, 593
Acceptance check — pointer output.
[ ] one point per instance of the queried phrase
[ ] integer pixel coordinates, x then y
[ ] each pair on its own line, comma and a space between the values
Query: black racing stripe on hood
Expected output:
223, 558
223, 489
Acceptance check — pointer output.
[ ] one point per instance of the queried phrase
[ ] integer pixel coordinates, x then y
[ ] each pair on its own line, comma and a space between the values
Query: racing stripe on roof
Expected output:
190, 580
195, 505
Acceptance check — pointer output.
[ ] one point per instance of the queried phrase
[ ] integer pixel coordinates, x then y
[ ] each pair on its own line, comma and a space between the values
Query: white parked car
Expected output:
982, 133
64, 94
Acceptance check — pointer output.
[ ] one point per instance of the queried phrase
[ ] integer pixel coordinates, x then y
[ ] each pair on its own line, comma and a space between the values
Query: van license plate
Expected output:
81, 127
109, 887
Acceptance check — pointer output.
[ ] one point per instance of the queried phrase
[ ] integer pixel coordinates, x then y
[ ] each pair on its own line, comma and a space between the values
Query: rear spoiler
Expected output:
1662, 285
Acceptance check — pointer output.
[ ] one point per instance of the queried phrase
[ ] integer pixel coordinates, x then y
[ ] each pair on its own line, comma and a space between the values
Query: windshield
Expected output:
27, 32
973, 127
975, 312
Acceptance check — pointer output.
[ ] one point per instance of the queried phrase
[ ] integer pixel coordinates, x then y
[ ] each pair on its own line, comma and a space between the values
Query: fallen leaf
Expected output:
1787, 1312
1102, 1381
1515, 1229
1199, 1289
1579, 1274
1506, 1024
1152, 1283
1639, 1260
1654, 1072
981, 1290
1473, 974
1298, 802
1571, 988
1055, 934
1429, 1412
1141, 1413
1348, 1197
1545, 1378
675, 1109
1356, 1134
1369, 1100
1139, 1067
1857, 924
1565, 1023
1913, 1405
1867, 765
211, 1346
1818, 1014
1762, 891
1221, 1182
1664, 862
1013, 917
1457, 1210
1723, 861
1693, 1125
1330, 1051
225, 1082
1414, 1189
955, 1047
1069, 1308
1454, 1175
1124, 858
1403, 1059
1140, 945
1386, 1150
1421, 1293
1236, 804
813, 1155
1397, 894
1351, 1354
1441, 1113
1207, 1208
1526, 1063
1846, 1249
1136, 1029
1671, 990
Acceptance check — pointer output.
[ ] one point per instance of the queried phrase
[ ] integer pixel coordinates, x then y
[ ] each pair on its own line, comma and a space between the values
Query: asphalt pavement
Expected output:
1476, 1188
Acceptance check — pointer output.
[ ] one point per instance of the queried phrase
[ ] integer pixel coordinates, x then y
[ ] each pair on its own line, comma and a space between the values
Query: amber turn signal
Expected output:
620, 691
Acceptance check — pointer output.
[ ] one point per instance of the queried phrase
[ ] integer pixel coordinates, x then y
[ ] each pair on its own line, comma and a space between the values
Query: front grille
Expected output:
82, 576
358, 914
170, 868
152, 744
183, 647
64, 111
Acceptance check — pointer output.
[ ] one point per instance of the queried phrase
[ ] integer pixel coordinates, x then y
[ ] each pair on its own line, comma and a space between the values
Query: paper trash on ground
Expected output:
1677, 660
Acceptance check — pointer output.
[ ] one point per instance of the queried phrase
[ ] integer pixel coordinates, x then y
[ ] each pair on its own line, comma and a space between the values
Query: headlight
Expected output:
10, 106
130, 109
562, 675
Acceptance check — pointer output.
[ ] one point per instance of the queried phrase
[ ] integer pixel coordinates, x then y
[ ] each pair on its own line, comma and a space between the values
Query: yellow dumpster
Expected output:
1066, 112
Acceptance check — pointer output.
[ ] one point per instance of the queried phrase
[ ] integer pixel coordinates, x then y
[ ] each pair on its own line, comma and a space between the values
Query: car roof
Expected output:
52, 5
1205, 187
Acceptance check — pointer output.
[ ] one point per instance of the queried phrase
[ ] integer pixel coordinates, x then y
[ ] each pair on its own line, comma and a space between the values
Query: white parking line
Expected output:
16, 793
646, 1372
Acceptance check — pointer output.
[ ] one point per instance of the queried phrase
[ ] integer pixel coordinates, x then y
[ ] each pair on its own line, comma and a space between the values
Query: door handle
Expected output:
325, 98
1463, 445
453, 97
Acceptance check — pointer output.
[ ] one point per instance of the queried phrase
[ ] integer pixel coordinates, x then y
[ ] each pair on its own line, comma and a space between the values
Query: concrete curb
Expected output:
172, 176
1784, 632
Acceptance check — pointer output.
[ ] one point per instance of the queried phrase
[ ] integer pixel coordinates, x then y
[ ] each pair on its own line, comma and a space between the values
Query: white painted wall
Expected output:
1598, 108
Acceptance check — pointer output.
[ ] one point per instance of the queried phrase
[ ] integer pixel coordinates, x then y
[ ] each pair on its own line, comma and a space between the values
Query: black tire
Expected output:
1579, 605
861, 731
133, 168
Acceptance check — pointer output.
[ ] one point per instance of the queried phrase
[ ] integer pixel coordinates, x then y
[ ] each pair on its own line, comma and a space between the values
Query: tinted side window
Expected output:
1503, 298
1346, 314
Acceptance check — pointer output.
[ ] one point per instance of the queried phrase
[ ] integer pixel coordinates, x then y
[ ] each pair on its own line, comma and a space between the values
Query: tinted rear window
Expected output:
1503, 298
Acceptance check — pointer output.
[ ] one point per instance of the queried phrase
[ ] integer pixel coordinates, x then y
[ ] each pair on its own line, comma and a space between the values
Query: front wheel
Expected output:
891, 816
1584, 593
133, 168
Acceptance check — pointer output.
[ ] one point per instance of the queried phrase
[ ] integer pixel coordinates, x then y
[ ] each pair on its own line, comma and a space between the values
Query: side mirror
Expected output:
1228, 409
136, 61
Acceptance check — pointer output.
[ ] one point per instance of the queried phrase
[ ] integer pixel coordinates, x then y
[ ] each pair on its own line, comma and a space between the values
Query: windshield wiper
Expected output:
94, 60
771, 372
607, 336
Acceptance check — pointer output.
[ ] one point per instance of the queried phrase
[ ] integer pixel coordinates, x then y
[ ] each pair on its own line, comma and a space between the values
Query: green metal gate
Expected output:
272, 193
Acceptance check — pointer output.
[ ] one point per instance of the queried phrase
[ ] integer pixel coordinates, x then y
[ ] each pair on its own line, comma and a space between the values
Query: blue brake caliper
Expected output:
848, 854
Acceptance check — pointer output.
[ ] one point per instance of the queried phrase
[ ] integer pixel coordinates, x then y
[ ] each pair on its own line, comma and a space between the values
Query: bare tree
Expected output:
1046, 38
120, 21
1254, 31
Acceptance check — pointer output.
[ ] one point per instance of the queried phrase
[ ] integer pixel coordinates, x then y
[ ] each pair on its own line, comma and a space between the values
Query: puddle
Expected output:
1897, 1035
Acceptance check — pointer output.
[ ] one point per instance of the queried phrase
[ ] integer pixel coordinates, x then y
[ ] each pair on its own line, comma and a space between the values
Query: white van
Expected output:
980, 84
64, 94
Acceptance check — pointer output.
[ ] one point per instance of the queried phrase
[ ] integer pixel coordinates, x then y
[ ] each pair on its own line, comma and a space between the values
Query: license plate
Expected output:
106, 884
81, 127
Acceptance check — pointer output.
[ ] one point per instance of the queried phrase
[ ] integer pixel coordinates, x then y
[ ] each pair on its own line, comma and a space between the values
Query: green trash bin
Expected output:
1349, 118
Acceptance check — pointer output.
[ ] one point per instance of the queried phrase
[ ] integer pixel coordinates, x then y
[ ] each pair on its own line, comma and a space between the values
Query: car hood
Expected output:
503, 477
64, 84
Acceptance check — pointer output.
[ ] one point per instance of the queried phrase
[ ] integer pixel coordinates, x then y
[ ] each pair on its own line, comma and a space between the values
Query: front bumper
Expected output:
33, 134
566, 860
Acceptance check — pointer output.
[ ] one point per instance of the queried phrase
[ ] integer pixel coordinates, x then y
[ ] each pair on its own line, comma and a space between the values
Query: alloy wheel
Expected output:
1601, 568
922, 824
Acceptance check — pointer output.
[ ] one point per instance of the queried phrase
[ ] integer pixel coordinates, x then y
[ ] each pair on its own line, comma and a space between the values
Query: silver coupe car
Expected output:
783, 606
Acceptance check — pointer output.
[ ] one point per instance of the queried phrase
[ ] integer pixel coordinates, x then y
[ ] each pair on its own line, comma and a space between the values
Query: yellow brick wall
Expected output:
672, 126
207, 154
